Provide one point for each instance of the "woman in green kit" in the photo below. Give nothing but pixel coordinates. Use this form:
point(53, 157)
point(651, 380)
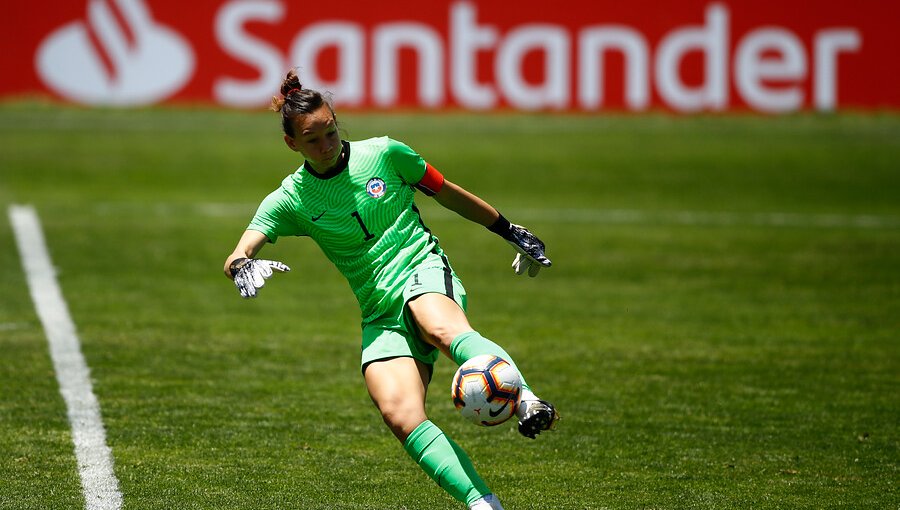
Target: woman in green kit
point(355, 199)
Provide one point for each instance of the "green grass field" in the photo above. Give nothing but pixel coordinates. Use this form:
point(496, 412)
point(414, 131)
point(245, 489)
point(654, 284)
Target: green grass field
point(719, 329)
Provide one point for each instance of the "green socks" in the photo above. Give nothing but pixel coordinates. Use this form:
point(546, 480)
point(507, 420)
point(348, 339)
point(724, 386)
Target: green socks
point(445, 462)
point(471, 344)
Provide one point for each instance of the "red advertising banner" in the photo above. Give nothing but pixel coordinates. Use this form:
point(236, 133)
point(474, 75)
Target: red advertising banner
point(571, 55)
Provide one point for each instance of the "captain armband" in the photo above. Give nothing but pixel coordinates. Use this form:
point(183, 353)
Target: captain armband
point(432, 182)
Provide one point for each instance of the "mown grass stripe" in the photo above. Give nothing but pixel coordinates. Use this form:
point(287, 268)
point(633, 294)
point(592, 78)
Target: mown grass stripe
point(573, 215)
point(94, 457)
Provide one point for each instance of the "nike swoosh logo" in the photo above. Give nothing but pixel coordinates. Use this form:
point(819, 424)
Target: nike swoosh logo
point(499, 411)
point(316, 218)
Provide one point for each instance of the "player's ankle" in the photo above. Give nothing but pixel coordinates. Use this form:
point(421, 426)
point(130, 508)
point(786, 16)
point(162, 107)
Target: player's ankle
point(527, 394)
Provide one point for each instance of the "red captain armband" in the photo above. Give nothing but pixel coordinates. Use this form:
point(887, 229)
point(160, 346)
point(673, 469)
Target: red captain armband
point(431, 182)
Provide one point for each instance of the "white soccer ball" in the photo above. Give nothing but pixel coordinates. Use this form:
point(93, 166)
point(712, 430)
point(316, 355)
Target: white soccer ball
point(486, 390)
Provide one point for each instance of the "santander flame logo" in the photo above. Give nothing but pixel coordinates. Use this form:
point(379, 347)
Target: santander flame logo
point(118, 56)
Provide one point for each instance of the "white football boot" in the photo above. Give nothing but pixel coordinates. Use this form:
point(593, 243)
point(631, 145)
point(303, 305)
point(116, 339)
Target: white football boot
point(489, 502)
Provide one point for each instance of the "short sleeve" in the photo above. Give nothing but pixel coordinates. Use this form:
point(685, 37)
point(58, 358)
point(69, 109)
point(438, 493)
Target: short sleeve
point(276, 216)
point(408, 164)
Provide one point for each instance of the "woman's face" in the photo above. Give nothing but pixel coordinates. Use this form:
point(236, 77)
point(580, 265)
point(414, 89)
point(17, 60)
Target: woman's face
point(317, 139)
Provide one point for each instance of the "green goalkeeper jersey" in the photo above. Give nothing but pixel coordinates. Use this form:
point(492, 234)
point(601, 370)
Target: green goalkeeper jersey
point(363, 217)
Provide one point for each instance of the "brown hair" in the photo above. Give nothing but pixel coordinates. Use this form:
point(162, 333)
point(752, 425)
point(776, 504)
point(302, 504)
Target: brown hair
point(297, 101)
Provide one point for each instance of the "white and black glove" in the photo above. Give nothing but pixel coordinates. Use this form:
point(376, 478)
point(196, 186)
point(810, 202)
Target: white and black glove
point(530, 257)
point(250, 274)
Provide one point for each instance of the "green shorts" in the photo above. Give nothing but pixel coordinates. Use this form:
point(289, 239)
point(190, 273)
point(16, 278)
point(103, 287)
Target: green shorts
point(394, 334)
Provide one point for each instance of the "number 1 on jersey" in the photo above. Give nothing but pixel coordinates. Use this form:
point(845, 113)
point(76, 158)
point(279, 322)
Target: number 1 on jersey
point(362, 225)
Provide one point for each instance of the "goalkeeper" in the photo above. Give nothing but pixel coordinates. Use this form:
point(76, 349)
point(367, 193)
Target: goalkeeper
point(355, 199)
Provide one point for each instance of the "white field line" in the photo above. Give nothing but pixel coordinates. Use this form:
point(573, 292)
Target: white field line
point(94, 457)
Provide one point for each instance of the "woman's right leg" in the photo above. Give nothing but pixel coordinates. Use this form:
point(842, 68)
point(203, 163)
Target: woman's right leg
point(398, 387)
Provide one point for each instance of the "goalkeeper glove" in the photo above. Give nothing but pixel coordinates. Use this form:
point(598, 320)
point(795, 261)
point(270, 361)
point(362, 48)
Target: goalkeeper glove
point(530, 256)
point(250, 274)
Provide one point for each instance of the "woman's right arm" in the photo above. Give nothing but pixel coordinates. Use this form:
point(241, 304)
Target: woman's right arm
point(249, 245)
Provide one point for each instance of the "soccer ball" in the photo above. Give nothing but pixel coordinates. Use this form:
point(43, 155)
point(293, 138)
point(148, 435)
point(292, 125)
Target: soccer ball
point(486, 390)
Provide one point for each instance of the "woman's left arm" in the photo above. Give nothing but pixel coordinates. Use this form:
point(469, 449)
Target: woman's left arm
point(530, 258)
point(466, 204)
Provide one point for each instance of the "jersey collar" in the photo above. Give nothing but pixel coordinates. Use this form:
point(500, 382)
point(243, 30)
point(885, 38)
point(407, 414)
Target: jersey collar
point(341, 165)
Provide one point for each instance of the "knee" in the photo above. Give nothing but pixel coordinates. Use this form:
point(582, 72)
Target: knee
point(442, 334)
point(439, 319)
point(401, 416)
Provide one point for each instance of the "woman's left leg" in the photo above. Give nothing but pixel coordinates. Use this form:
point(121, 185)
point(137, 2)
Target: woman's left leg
point(442, 323)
